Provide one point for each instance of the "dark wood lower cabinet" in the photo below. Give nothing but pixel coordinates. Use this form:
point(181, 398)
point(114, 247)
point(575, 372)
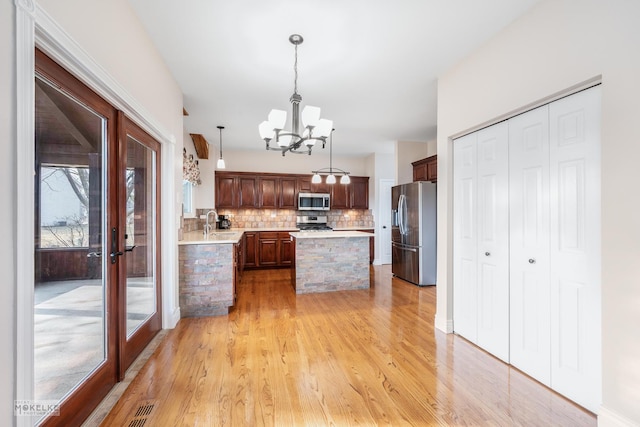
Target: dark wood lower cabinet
point(250, 249)
point(286, 249)
point(372, 248)
point(267, 249)
point(268, 253)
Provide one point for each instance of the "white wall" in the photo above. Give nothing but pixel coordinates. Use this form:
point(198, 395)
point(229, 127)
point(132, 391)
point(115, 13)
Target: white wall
point(7, 211)
point(408, 152)
point(559, 44)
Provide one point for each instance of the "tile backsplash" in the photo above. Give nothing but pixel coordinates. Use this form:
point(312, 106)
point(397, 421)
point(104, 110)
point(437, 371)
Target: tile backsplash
point(282, 218)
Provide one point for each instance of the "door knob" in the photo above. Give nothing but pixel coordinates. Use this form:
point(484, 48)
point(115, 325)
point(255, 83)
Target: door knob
point(487, 254)
point(532, 261)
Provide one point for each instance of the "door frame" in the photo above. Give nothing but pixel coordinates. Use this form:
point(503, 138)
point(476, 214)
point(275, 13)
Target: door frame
point(35, 28)
point(384, 209)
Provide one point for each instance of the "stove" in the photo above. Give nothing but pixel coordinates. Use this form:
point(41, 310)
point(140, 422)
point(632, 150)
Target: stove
point(312, 223)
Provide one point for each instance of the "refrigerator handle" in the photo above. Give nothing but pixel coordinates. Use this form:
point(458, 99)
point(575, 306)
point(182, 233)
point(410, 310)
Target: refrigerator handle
point(402, 214)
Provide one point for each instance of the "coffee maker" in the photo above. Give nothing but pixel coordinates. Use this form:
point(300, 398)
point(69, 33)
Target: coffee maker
point(223, 222)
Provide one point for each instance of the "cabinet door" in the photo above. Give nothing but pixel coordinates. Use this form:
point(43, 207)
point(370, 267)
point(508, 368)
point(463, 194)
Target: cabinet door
point(419, 171)
point(268, 190)
point(250, 248)
point(359, 192)
point(268, 249)
point(322, 187)
point(529, 243)
point(286, 249)
point(304, 184)
point(247, 192)
point(225, 191)
point(432, 168)
point(340, 196)
point(288, 194)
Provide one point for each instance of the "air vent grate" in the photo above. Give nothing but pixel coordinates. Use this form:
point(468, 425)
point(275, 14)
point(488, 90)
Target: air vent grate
point(142, 413)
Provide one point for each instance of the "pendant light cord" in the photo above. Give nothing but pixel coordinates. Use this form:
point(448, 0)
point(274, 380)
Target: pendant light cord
point(220, 128)
point(331, 152)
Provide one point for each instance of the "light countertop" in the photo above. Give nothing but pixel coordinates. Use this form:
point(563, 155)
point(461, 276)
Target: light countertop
point(329, 234)
point(233, 235)
point(214, 237)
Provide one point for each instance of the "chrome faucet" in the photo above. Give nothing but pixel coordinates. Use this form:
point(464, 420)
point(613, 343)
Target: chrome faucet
point(208, 226)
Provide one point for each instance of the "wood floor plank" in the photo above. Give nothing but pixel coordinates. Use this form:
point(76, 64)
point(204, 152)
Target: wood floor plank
point(352, 358)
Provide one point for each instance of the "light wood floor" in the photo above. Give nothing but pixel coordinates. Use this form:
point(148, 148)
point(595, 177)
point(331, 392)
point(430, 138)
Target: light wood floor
point(352, 358)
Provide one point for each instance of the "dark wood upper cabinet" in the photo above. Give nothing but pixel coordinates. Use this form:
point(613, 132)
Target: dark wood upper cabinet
point(288, 194)
point(340, 196)
point(304, 184)
point(269, 192)
point(247, 192)
point(359, 192)
point(426, 169)
point(322, 187)
point(226, 192)
point(280, 191)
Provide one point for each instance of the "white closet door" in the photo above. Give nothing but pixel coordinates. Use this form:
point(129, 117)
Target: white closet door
point(465, 237)
point(575, 247)
point(493, 240)
point(529, 243)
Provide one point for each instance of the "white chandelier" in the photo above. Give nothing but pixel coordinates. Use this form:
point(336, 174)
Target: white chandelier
point(314, 128)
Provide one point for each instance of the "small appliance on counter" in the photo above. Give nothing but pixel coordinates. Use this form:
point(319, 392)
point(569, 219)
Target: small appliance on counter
point(312, 223)
point(224, 223)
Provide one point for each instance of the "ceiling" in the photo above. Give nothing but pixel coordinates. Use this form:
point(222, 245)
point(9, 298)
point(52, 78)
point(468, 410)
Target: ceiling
point(370, 65)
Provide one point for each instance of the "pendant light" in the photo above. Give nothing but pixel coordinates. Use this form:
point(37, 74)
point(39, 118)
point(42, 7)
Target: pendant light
point(220, 164)
point(331, 178)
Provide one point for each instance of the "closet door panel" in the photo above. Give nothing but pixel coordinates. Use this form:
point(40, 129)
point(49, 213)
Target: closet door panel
point(465, 237)
point(575, 247)
point(493, 238)
point(529, 243)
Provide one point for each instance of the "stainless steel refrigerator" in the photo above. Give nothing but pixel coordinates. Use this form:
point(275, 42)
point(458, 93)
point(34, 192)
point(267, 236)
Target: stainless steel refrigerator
point(413, 232)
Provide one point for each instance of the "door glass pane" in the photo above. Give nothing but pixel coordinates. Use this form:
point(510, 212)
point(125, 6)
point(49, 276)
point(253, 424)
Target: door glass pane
point(140, 234)
point(69, 247)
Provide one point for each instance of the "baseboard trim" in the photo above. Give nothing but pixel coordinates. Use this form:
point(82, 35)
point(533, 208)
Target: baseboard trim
point(609, 418)
point(172, 320)
point(443, 324)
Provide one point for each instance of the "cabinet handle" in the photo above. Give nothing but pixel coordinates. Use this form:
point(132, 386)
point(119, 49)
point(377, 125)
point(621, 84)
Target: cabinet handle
point(532, 261)
point(487, 254)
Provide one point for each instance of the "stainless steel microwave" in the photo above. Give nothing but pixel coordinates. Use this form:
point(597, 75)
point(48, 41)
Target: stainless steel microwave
point(313, 201)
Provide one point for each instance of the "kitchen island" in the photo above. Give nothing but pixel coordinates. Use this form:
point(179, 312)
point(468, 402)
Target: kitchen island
point(330, 261)
point(208, 267)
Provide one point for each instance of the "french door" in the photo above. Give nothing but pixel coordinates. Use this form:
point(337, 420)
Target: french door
point(96, 249)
